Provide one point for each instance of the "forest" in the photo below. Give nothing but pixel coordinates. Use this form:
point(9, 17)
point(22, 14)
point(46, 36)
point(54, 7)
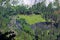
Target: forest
point(21, 22)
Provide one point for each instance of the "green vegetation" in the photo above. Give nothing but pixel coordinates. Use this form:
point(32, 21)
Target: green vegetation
point(30, 23)
point(31, 19)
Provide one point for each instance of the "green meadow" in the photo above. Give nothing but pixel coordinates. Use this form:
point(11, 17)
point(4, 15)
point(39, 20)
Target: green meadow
point(31, 19)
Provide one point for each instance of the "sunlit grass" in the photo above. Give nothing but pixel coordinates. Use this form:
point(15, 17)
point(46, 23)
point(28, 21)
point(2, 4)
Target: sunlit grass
point(31, 19)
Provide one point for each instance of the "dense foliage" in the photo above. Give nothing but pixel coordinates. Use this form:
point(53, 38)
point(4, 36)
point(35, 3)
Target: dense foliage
point(22, 24)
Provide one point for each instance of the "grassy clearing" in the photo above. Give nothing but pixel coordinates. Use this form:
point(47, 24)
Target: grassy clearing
point(31, 19)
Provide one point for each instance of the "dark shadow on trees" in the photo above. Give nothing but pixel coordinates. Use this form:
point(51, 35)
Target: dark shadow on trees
point(5, 37)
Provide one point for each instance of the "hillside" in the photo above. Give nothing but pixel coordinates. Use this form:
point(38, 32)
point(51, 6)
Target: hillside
point(18, 21)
